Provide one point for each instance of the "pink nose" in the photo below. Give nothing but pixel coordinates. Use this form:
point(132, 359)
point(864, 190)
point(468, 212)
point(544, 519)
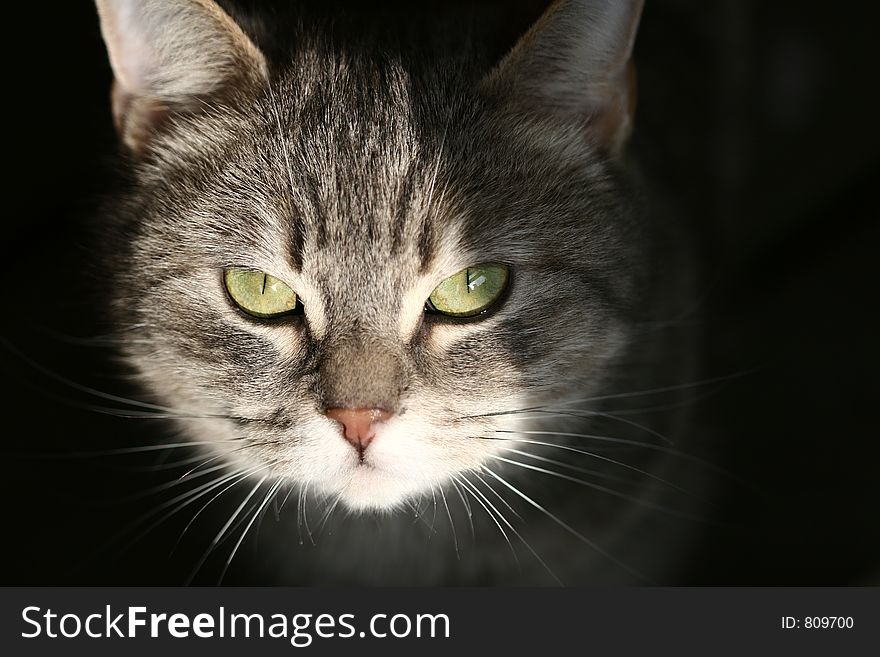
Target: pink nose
point(358, 424)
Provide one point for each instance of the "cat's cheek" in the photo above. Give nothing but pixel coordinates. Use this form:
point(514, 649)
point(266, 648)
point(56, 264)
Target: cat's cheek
point(217, 435)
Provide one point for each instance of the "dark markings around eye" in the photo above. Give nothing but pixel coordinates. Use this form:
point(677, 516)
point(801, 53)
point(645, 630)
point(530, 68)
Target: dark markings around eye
point(426, 245)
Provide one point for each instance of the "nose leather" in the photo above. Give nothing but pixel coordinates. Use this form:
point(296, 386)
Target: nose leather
point(358, 424)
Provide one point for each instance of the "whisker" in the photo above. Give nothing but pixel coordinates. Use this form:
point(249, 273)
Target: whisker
point(511, 527)
point(451, 523)
point(590, 471)
point(269, 496)
point(663, 389)
point(632, 423)
point(467, 508)
point(162, 466)
point(598, 438)
point(136, 415)
point(241, 477)
point(284, 501)
point(635, 443)
point(419, 516)
point(467, 487)
point(603, 489)
point(327, 513)
point(305, 512)
point(599, 457)
point(173, 483)
point(205, 462)
point(99, 340)
point(186, 498)
point(431, 530)
point(571, 530)
point(80, 387)
point(122, 451)
point(299, 507)
point(497, 494)
point(216, 541)
point(620, 395)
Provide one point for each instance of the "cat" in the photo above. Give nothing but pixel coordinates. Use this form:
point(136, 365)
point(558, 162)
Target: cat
point(421, 291)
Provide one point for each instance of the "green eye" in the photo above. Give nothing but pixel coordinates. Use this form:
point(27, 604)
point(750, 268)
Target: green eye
point(258, 293)
point(470, 291)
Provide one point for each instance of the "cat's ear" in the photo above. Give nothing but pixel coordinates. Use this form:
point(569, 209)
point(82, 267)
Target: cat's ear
point(577, 61)
point(168, 57)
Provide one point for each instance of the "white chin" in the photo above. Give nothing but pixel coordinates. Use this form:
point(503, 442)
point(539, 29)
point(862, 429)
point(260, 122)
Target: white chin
point(371, 489)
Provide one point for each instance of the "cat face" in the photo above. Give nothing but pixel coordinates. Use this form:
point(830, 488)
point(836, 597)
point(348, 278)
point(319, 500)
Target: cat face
point(359, 186)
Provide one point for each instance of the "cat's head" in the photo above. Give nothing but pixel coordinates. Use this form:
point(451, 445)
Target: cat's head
point(346, 271)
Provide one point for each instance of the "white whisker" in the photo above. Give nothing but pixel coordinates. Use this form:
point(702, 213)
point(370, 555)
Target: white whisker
point(635, 443)
point(219, 537)
point(571, 530)
point(595, 456)
point(598, 487)
point(468, 488)
point(467, 507)
point(451, 523)
point(269, 496)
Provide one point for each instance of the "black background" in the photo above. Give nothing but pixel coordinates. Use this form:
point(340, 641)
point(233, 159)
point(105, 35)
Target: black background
point(759, 117)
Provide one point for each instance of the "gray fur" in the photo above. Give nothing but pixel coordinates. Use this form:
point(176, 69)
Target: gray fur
point(363, 180)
